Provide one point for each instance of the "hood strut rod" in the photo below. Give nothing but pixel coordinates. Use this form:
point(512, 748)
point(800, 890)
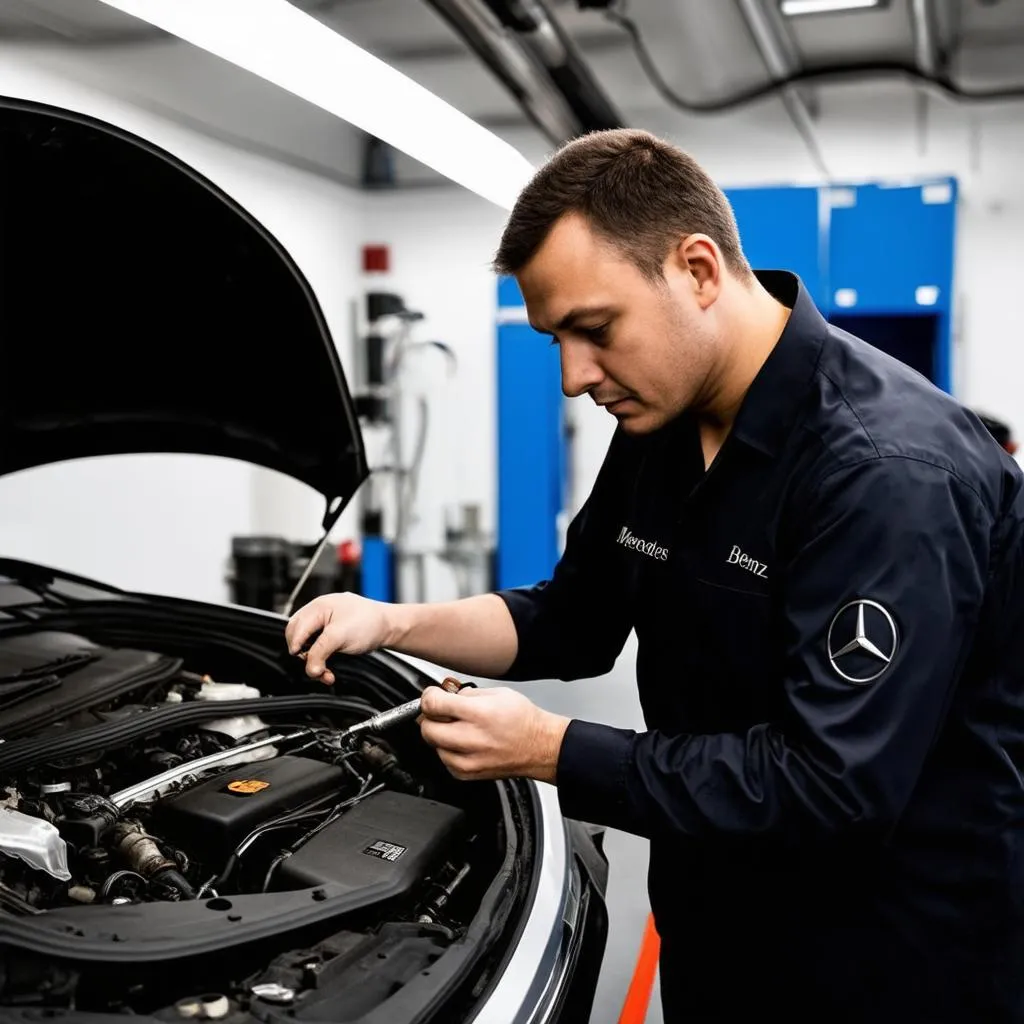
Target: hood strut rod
point(313, 558)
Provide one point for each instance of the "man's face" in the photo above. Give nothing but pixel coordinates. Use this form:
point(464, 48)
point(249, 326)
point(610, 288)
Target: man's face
point(641, 349)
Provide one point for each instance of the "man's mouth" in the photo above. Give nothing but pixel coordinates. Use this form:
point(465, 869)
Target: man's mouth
point(615, 405)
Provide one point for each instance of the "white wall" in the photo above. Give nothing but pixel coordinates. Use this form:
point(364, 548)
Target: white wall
point(442, 241)
point(164, 523)
point(866, 132)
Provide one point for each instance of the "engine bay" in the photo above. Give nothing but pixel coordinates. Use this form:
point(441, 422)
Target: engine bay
point(149, 811)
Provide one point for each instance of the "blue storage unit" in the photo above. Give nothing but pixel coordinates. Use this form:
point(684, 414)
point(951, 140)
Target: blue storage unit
point(891, 247)
point(877, 259)
point(783, 229)
point(531, 446)
point(891, 257)
point(377, 570)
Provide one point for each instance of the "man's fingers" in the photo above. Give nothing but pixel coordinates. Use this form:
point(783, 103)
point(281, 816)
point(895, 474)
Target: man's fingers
point(466, 768)
point(458, 764)
point(447, 737)
point(299, 629)
point(438, 704)
point(299, 632)
point(316, 659)
point(294, 635)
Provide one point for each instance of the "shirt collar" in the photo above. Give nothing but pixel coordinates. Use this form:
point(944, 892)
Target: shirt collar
point(772, 403)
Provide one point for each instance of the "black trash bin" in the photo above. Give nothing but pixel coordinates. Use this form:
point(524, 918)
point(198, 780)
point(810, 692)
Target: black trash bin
point(261, 571)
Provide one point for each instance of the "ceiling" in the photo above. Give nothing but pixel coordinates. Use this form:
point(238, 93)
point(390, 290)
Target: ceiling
point(705, 50)
point(671, 58)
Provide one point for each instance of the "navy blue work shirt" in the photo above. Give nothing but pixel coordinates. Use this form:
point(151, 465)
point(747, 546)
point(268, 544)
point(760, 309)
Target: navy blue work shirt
point(831, 669)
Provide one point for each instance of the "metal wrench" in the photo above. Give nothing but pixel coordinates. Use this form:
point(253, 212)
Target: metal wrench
point(393, 716)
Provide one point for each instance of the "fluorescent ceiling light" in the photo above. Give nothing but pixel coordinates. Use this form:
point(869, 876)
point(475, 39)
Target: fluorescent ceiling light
point(282, 44)
point(792, 8)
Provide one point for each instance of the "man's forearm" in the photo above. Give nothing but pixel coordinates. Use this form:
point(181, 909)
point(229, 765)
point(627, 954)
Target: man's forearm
point(475, 635)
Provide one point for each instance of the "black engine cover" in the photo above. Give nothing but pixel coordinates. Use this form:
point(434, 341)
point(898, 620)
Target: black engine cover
point(211, 819)
point(381, 848)
point(50, 676)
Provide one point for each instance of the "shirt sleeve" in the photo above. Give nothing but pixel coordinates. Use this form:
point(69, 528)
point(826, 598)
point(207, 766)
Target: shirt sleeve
point(883, 591)
point(574, 625)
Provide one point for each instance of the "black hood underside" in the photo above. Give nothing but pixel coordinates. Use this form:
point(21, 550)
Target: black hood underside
point(142, 310)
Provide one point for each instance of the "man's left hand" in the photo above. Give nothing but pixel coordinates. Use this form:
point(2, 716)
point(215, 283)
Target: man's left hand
point(492, 733)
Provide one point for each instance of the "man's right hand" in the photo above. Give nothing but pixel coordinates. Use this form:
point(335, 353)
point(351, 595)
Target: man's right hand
point(347, 623)
point(475, 635)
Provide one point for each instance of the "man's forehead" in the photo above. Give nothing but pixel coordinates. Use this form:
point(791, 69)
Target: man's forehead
point(574, 273)
point(572, 240)
point(554, 301)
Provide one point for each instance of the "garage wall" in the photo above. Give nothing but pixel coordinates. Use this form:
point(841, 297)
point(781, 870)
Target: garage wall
point(866, 132)
point(164, 522)
point(441, 243)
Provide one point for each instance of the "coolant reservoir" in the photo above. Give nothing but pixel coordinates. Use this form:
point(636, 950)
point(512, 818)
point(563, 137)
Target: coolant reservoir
point(240, 726)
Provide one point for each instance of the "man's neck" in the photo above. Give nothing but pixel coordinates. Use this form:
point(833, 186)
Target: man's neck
point(753, 325)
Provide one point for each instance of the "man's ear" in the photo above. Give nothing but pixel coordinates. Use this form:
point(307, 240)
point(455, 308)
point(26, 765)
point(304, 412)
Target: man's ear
point(700, 259)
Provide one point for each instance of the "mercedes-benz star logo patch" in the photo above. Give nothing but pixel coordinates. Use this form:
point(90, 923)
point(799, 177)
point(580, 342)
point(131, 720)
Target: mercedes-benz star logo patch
point(862, 641)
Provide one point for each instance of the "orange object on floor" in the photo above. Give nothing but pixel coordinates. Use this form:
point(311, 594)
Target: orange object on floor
point(638, 996)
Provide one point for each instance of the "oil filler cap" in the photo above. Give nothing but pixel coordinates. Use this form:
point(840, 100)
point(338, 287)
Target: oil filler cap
point(246, 787)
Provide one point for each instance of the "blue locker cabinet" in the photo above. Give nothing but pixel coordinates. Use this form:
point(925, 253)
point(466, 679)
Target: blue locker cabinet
point(782, 229)
point(891, 247)
point(891, 258)
point(532, 459)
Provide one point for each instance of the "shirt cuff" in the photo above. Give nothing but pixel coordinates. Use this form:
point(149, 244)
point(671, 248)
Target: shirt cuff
point(522, 604)
point(593, 765)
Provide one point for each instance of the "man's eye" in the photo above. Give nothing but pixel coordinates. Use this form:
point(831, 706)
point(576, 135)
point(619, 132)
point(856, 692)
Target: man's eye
point(595, 333)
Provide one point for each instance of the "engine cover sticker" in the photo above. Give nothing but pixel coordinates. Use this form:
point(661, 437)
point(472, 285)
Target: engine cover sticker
point(248, 786)
point(384, 851)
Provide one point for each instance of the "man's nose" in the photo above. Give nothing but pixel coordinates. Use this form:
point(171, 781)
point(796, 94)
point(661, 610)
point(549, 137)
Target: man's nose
point(580, 371)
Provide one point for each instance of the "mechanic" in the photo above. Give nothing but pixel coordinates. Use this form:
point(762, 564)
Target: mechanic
point(821, 555)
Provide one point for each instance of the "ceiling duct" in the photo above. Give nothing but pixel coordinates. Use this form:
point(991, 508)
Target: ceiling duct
point(926, 43)
point(780, 68)
point(525, 47)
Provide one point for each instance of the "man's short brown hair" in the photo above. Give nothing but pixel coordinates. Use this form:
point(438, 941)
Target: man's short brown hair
point(638, 192)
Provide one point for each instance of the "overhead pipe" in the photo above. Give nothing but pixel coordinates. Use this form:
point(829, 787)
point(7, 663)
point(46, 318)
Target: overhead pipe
point(926, 59)
point(926, 37)
point(780, 69)
point(529, 52)
point(542, 34)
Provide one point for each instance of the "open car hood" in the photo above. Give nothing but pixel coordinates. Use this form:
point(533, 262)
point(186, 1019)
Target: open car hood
point(142, 310)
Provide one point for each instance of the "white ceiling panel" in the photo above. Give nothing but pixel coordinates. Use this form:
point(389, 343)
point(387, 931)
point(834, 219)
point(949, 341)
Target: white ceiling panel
point(882, 33)
point(702, 49)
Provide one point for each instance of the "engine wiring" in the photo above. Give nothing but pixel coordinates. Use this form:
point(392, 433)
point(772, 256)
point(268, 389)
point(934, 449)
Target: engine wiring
point(332, 817)
point(106, 890)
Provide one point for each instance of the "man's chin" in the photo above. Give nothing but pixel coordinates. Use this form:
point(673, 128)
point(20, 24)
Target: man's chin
point(636, 423)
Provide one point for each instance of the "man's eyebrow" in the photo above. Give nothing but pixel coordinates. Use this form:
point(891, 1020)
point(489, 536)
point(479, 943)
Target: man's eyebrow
point(573, 316)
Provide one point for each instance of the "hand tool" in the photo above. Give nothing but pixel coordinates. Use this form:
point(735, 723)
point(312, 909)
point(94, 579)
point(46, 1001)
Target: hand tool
point(395, 716)
point(391, 717)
